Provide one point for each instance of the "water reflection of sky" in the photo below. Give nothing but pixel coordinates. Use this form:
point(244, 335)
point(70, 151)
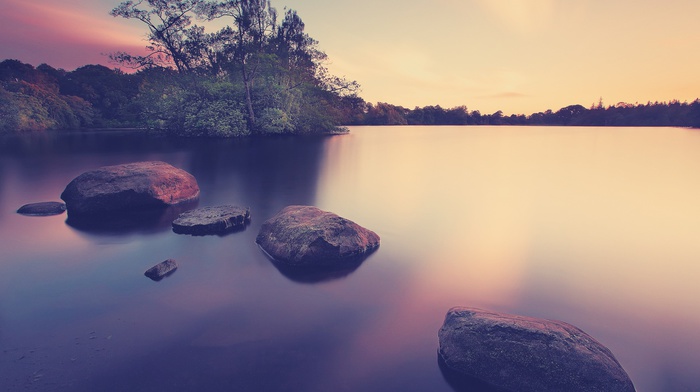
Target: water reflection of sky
point(594, 227)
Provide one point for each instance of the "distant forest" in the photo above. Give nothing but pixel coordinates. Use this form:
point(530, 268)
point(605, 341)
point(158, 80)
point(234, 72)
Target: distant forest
point(672, 114)
point(256, 76)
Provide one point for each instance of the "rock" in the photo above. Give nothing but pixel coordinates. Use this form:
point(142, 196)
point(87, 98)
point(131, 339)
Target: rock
point(42, 209)
point(211, 220)
point(524, 354)
point(128, 187)
point(161, 270)
point(307, 236)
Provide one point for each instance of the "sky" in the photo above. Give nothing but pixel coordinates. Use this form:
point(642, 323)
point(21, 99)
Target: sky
point(518, 56)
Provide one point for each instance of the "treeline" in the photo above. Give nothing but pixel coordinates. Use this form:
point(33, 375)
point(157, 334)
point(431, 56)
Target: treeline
point(48, 98)
point(674, 113)
point(160, 97)
point(256, 75)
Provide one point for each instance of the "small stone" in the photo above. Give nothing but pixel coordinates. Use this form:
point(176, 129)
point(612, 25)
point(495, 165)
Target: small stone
point(161, 270)
point(212, 220)
point(42, 209)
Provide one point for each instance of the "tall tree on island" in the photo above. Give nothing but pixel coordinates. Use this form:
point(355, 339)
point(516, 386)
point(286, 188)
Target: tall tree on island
point(172, 38)
point(276, 66)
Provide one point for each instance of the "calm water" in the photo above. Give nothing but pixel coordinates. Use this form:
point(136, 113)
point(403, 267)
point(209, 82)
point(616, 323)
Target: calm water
point(599, 227)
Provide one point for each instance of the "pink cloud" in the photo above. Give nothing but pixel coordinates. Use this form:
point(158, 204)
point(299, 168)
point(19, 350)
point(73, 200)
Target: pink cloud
point(63, 36)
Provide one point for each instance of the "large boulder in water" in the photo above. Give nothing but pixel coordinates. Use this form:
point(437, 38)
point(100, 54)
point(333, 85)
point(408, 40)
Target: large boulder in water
point(129, 187)
point(308, 236)
point(525, 354)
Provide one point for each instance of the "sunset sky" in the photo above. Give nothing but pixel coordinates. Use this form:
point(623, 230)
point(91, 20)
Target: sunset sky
point(519, 56)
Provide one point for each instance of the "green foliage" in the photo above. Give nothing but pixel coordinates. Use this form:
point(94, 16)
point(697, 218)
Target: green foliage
point(218, 118)
point(20, 112)
point(274, 121)
point(31, 100)
point(192, 106)
point(274, 70)
point(109, 91)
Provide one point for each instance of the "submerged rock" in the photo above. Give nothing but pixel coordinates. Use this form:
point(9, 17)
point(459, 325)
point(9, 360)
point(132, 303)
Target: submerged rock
point(308, 236)
point(525, 354)
point(212, 220)
point(128, 187)
point(161, 270)
point(42, 209)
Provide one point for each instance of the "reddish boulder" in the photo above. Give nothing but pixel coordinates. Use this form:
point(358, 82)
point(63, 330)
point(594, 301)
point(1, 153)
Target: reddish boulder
point(128, 187)
point(308, 236)
point(525, 354)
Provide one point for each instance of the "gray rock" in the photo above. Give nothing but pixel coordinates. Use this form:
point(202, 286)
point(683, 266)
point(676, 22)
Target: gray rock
point(304, 235)
point(161, 270)
point(212, 220)
point(524, 354)
point(42, 209)
point(129, 187)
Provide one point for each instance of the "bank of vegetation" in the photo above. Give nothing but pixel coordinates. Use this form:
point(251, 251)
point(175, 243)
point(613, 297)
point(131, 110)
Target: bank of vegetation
point(261, 74)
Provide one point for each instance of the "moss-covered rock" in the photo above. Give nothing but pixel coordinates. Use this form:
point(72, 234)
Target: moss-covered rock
point(308, 236)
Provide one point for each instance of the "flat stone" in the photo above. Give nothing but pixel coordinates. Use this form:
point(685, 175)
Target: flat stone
point(42, 209)
point(161, 270)
point(212, 220)
point(525, 354)
point(308, 236)
point(129, 187)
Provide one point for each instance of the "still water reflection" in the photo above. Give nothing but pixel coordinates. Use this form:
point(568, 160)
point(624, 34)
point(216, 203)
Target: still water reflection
point(594, 226)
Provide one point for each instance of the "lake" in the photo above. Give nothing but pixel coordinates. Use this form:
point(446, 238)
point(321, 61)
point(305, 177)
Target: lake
point(598, 227)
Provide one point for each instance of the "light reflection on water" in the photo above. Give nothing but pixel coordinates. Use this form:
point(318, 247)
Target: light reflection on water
point(594, 226)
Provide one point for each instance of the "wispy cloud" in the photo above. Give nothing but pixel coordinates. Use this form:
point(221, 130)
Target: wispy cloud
point(524, 16)
point(63, 34)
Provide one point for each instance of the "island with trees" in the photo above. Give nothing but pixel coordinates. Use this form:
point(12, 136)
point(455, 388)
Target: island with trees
point(261, 74)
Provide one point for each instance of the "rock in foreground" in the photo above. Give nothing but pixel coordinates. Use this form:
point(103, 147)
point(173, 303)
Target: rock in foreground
point(211, 220)
point(524, 354)
point(161, 270)
point(128, 187)
point(308, 236)
point(42, 209)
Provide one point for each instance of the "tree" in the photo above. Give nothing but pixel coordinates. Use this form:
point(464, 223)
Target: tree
point(279, 68)
point(244, 44)
point(172, 39)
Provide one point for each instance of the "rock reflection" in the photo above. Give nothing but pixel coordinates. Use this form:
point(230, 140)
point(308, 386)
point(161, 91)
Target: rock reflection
point(460, 382)
point(318, 273)
point(142, 222)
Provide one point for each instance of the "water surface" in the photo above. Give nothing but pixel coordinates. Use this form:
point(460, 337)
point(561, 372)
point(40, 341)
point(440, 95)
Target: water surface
point(597, 227)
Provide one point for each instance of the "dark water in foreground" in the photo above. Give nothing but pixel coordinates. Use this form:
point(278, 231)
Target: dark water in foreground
point(599, 227)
